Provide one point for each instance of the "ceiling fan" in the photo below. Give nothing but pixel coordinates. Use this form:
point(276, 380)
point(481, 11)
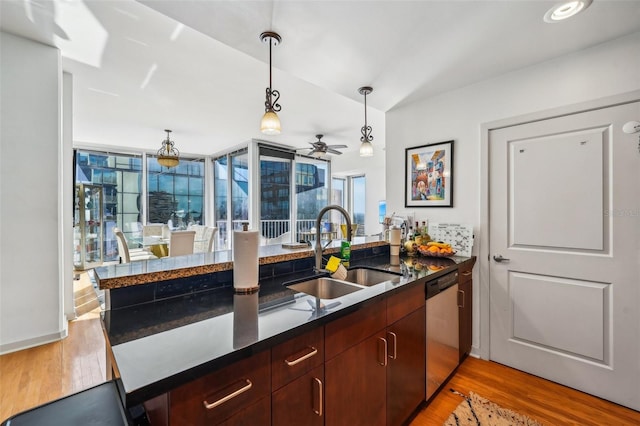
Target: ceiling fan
point(319, 148)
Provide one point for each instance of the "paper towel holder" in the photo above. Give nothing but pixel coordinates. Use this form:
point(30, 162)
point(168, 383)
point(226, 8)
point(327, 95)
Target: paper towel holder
point(246, 290)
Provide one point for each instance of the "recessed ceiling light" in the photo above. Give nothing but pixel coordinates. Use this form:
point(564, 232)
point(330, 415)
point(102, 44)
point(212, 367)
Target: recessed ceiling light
point(564, 10)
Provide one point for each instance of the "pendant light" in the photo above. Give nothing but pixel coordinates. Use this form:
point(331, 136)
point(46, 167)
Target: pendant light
point(366, 149)
point(168, 155)
point(270, 124)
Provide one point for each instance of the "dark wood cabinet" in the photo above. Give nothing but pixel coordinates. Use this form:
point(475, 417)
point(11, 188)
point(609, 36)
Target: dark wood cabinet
point(365, 368)
point(227, 396)
point(301, 402)
point(258, 413)
point(406, 366)
point(465, 307)
point(297, 380)
point(355, 384)
point(375, 368)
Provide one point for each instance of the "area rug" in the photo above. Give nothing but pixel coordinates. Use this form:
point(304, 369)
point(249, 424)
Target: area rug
point(478, 411)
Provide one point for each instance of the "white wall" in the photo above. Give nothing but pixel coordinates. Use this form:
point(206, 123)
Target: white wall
point(604, 70)
point(31, 310)
point(351, 164)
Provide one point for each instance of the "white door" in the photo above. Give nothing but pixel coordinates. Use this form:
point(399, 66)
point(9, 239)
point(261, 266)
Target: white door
point(565, 218)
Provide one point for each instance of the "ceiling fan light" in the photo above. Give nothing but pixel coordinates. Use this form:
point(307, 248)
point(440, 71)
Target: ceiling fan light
point(270, 124)
point(366, 149)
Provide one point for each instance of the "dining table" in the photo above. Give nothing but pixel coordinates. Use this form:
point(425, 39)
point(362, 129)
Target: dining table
point(158, 244)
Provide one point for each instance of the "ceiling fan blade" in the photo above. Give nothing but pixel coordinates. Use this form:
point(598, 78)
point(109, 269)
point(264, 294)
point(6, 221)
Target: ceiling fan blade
point(337, 146)
point(333, 151)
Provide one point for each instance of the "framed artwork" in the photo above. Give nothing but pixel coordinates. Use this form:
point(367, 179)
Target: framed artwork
point(429, 175)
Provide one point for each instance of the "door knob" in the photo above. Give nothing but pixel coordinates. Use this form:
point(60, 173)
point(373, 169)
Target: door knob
point(498, 258)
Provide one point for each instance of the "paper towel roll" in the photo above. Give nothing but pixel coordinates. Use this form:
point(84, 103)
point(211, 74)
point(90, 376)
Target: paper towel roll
point(395, 236)
point(245, 260)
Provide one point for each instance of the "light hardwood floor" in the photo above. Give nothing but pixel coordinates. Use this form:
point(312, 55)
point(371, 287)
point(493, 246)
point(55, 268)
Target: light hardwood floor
point(34, 376)
point(545, 401)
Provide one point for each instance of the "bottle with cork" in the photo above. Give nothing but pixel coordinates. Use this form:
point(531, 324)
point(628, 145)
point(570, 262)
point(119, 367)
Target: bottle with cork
point(425, 232)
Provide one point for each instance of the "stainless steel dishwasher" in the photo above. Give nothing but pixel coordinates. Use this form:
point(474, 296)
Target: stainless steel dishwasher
point(442, 330)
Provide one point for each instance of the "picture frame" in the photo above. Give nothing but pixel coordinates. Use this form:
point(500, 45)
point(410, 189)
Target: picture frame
point(429, 175)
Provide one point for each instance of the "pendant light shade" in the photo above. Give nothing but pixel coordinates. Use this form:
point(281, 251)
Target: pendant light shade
point(270, 123)
point(168, 155)
point(366, 148)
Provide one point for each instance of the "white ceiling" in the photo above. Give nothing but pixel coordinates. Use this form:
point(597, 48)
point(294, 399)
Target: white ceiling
point(137, 69)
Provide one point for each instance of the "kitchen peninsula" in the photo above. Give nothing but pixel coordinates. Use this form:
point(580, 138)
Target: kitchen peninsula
point(181, 343)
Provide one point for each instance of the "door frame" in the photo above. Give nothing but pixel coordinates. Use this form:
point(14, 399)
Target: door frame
point(483, 251)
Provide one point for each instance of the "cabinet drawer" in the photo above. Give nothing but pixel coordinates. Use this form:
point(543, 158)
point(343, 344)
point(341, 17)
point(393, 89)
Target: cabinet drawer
point(404, 302)
point(347, 331)
point(217, 396)
point(295, 357)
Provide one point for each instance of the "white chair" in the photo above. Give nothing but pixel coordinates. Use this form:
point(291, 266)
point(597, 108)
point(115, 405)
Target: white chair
point(152, 229)
point(132, 251)
point(181, 243)
point(285, 237)
point(126, 255)
point(205, 244)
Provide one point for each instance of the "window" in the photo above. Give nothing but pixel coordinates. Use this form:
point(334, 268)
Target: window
point(220, 182)
point(349, 193)
point(312, 191)
point(358, 204)
point(275, 194)
point(239, 189)
point(120, 177)
point(175, 194)
point(339, 198)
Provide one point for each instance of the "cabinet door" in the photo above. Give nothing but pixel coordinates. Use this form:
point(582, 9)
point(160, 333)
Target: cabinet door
point(355, 384)
point(465, 295)
point(406, 369)
point(258, 414)
point(301, 402)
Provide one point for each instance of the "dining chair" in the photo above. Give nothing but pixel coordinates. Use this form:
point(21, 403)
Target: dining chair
point(181, 243)
point(205, 243)
point(152, 229)
point(130, 255)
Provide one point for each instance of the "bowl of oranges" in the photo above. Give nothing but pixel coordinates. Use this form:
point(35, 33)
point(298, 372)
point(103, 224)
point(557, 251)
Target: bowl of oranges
point(436, 249)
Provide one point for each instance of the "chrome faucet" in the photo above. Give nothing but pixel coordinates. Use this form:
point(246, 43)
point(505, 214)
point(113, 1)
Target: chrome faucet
point(318, 249)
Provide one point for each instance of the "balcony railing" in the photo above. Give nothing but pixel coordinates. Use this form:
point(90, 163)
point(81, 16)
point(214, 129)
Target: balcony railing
point(278, 231)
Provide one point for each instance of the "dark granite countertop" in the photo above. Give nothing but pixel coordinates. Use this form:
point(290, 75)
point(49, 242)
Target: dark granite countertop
point(166, 268)
point(159, 346)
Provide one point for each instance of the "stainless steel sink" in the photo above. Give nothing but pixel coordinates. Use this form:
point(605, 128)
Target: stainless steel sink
point(368, 277)
point(324, 288)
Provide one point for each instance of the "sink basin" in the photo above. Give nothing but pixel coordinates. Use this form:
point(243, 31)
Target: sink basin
point(368, 277)
point(324, 288)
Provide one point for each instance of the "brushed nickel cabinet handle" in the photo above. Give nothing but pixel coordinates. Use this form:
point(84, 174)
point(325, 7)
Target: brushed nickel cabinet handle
point(232, 395)
point(461, 292)
point(318, 410)
point(302, 358)
point(384, 356)
point(466, 273)
point(395, 345)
